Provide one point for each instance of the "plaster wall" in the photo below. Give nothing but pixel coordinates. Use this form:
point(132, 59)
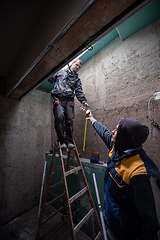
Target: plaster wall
point(118, 82)
point(25, 136)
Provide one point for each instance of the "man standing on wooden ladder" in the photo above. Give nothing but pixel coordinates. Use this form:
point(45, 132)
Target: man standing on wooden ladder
point(67, 85)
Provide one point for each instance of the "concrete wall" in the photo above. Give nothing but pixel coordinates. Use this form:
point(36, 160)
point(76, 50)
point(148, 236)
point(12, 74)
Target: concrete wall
point(118, 82)
point(25, 136)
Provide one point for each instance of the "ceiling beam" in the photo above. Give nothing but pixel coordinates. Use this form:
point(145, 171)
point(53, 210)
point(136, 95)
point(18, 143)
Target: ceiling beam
point(97, 21)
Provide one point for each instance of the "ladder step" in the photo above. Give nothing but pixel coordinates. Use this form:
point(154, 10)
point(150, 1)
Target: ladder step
point(86, 217)
point(55, 185)
point(99, 235)
point(59, 167)
point(52, 215)
point(77, 195)
point(72, 170)
point(54, 200)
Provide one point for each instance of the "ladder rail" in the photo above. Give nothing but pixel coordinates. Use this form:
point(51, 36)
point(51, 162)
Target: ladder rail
point(68, 207)
point(45, 195)
point(88, 191)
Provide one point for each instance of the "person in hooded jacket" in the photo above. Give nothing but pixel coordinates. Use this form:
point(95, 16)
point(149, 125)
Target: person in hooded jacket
point(131, 184)
point(67, 85)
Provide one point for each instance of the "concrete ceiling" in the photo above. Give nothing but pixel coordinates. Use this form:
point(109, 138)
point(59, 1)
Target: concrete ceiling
point(38, 35)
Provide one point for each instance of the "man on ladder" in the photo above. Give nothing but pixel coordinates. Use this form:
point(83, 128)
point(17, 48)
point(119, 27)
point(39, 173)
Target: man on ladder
point(67, 85)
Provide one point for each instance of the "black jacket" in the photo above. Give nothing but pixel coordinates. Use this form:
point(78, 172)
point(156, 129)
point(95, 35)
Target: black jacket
point(67, 84)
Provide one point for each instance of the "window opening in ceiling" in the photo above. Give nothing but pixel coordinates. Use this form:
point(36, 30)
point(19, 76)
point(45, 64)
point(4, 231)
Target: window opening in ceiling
point(130, 26)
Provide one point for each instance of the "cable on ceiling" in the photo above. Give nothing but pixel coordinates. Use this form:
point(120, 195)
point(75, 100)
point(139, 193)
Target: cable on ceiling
point(87, 46)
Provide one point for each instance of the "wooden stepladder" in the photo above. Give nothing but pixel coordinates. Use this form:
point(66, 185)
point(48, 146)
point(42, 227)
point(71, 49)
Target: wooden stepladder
point(65, 172)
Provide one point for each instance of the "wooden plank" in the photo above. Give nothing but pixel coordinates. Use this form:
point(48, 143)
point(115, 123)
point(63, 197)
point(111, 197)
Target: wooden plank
point(72, 170)
point(54, 200)
point(86, 217)
point(80, 193)
point(55, 185)
point(59, 167)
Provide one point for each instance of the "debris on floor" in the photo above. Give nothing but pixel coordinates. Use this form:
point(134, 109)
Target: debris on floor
point(25, 228)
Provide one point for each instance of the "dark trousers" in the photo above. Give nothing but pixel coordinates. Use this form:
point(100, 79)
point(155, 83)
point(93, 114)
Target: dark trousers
point(63, 113)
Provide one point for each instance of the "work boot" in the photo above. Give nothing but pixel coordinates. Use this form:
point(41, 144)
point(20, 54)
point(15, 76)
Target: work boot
point(70, 145)
point(63, 146)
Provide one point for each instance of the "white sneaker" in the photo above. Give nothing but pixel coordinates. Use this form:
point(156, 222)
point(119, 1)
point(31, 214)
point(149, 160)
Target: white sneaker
point(70, 145)
point(63, 146)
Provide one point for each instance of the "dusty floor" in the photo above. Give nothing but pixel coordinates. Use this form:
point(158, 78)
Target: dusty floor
point(25, 228)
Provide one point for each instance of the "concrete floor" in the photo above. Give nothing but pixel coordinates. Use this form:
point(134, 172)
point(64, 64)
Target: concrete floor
point(25, 228)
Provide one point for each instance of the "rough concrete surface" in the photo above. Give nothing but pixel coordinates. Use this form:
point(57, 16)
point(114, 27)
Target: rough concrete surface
point(25, 227)
point(25, 136)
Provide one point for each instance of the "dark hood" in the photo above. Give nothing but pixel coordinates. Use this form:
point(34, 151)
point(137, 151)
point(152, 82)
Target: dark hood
point(131, 134)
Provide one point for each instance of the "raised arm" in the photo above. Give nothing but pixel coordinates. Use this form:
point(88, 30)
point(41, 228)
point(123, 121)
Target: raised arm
point(102, 131)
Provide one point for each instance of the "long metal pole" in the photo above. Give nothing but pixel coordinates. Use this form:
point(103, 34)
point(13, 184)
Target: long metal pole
point(44, 173)
point(100, 209)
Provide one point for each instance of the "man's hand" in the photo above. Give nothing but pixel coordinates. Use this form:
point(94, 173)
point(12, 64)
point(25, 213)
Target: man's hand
point(56, 101)
point(90, 117)
point(84, 107)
